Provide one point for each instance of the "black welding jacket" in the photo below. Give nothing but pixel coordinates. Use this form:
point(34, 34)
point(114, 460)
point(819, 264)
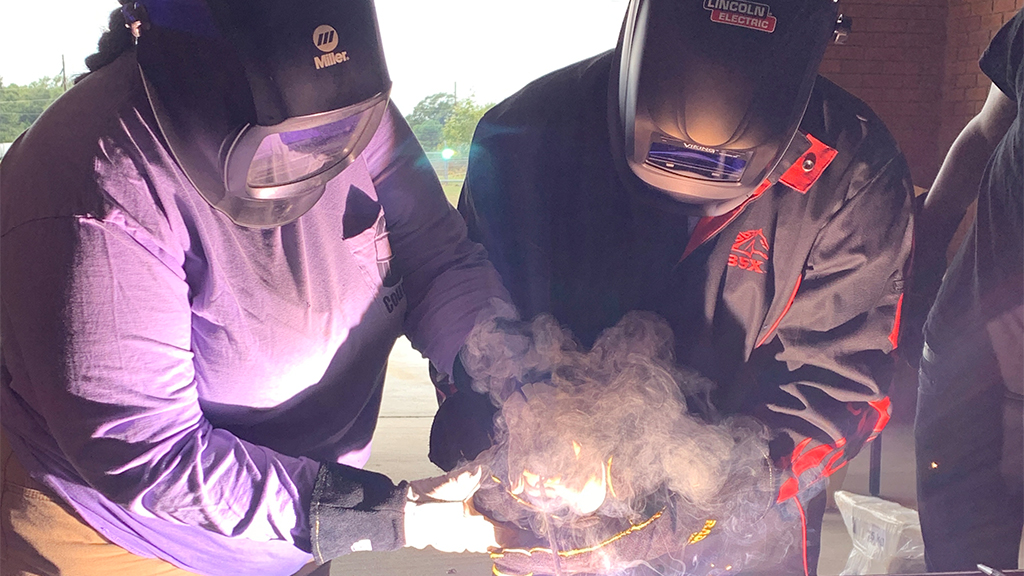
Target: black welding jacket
point(789, 303)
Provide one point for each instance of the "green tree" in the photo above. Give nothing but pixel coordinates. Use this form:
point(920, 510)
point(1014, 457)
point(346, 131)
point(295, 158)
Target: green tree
point(429, 134)
point(21, 105)
point(458, 129)
point(429, 116)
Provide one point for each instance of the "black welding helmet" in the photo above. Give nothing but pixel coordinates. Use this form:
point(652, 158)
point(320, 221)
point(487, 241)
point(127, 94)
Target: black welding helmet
point(262, 102)
point(710, 93)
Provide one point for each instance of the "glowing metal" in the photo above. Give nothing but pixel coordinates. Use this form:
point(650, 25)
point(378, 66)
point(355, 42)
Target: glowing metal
point(702, 533)
point(578, 551)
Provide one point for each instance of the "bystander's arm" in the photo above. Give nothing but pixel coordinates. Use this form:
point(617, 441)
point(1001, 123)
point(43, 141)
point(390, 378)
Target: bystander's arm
point(956, 185)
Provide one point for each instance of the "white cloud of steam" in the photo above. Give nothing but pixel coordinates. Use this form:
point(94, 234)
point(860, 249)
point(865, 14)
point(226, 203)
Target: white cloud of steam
point(617, 417)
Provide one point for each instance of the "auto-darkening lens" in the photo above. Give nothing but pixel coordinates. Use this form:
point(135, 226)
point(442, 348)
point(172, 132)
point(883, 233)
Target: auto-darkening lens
point(287, 157)
point(690, 161)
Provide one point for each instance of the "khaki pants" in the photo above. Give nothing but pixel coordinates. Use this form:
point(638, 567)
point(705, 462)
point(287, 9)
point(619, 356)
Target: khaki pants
point(40, 535)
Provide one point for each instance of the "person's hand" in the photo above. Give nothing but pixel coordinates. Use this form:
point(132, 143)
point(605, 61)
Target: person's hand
point(463, 428)
point(439, 513)
point(917, 302)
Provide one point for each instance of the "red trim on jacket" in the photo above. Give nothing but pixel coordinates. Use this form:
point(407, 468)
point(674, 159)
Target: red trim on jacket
point(803, 533)
point(883, 407)
point(784, 311)
point(894, 336)
point(805, 457)
point(709, 226)
point(795, 177)
point(790, 486)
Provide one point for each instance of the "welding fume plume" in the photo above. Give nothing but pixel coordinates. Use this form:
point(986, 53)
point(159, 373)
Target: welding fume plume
point(595, 440)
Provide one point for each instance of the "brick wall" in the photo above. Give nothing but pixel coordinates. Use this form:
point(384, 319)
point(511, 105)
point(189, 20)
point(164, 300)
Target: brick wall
point(915, 63)
point(972, 23)
point(893, 61)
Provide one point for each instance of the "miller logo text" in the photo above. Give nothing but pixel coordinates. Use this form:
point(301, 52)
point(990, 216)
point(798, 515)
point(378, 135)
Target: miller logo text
point(325, 38)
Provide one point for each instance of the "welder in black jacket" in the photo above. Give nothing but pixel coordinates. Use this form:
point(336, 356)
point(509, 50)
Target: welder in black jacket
point(704, 171)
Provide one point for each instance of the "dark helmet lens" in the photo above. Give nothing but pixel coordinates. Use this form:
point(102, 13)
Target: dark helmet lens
point(701, 163)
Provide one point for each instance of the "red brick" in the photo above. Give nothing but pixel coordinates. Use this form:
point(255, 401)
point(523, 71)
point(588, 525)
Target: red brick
point(959, 10)
point(915, 63)
point(897, 67)
point(963, 110)
point(870, 95)
point(992, 21)
point(847, 53)
point(881, 53)
point(971, 23)
point(966, 81)
point(954, 95)
point(890, 25)
point(852, 82)
point(858, 67)
point(922, 82)
point(984, 7)
point(969, 66)
point(931, 27)
point(828, 67)
point(876, 81)
point(957, 42)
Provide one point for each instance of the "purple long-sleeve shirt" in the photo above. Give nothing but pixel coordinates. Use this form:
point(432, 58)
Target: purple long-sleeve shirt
point(178, 379)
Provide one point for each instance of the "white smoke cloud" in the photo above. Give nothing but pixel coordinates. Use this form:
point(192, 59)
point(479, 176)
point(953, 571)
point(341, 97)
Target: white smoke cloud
point(590, 437)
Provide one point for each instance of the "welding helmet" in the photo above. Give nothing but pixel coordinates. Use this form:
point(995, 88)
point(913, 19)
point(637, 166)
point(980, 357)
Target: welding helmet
point(707, 95)
point(262, 102)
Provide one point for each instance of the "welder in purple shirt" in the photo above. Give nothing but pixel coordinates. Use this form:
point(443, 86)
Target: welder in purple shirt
point(209, 246)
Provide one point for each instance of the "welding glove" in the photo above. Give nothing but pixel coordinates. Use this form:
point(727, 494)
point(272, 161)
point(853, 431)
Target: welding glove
point(464, 424)
point(439, 513)
point(355, 510)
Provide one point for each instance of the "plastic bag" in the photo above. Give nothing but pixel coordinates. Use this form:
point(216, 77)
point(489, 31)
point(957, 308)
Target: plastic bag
point(886, 536)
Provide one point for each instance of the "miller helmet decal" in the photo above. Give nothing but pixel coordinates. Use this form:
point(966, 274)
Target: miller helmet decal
point(743, 13)
point(325, 38)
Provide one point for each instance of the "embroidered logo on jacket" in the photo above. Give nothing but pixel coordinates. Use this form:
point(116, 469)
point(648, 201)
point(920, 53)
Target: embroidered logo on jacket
point(750, 251)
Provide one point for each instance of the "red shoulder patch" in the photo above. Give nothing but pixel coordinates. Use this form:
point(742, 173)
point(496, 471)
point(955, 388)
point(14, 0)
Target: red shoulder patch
point(808, 168)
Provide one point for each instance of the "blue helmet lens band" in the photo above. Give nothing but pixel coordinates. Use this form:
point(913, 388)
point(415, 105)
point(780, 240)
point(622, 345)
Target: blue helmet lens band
point(707, 164)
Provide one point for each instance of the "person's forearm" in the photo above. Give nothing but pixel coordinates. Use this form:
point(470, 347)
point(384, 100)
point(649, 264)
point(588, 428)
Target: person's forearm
point(953, 191)
point(448, 281)
point(956, 185)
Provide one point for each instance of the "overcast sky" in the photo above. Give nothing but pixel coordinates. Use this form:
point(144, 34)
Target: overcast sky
point(488, 48)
